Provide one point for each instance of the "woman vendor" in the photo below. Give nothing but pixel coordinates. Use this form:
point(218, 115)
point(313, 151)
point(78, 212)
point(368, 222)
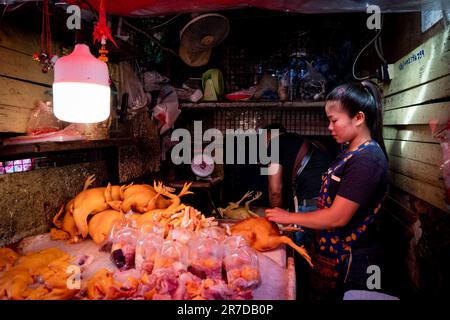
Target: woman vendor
point(352, 189)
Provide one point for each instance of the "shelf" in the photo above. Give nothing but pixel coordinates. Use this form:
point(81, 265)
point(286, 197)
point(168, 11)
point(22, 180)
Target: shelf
point(11, 151)
point(264, 105)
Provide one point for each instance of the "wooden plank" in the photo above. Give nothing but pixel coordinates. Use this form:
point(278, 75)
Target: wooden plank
point(17, 99)
point(22, 66)
point(20, 39)
point(14, 119)
point(429, 153)
point(417, 133)
point(20, 94)
point(437, 89)
point(427, 62)
point(423, 114)
point(20, 150)
point(421, 190)
point(417, 170)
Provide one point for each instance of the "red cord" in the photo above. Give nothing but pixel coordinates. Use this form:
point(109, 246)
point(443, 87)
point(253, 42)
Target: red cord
point(46, 35)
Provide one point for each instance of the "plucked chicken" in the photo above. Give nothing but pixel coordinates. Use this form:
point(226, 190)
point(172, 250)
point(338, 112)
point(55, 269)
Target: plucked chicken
point(263, 235)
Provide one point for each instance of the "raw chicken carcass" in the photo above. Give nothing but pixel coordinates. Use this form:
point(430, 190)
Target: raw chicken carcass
point(263, 235)
point(235, 211)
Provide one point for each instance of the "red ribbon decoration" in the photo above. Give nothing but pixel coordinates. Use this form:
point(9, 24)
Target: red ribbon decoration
point(101, 29)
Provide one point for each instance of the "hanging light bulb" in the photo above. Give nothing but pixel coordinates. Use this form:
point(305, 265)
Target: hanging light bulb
point(81, 91)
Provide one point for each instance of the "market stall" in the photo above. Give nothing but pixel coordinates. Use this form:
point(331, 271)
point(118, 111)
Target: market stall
point(135, 148)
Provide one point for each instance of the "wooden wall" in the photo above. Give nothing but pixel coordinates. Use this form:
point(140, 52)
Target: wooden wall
point(417, 223)
point(22, 82)
point(417, 101)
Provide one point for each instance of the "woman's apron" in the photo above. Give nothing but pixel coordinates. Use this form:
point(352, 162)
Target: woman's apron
point(333, 246)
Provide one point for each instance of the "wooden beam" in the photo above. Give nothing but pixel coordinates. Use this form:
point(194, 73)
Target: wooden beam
point(417, 133)
point(427, 62)
point(430, 153)
point(437, 89)
point(423, 114)
point(421, 190)
point(18, 65)
point(417, 170)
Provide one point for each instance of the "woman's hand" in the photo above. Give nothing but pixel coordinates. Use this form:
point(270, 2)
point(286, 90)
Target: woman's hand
point(279, 216)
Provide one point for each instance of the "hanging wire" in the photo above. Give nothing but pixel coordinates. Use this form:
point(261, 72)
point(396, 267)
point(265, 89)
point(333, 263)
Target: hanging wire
point(3, 14)
point(9, 8)
point(379, 50)
point(362, 50)
point(164, 23)
point(151, 37)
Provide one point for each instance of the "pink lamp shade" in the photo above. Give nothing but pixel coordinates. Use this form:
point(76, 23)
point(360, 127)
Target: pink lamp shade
point(81, 91)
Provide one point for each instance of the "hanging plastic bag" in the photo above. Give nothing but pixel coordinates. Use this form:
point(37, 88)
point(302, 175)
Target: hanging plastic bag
point(42, 120)
point(131, 85)
point(153, 81)
point(166, 110)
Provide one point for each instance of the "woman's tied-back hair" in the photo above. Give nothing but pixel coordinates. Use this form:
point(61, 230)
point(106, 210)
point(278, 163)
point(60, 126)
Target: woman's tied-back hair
point(365, 97)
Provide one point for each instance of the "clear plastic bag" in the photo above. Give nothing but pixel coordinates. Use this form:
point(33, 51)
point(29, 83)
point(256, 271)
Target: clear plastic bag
point(173, 254)
point(149, 243)
point(42, 120)
point(231, 243)
point(242, 267)
point(166, 110)
point(132, 85)
point(123, 244)
point(215, 232)
point(182, 235)
point(206, 258)
point(153, 81)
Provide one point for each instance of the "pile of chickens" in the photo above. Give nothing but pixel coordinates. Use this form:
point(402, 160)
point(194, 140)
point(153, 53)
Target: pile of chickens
point(201, 265)
point(35, 276)
point(143, 203)
point(162, 249)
